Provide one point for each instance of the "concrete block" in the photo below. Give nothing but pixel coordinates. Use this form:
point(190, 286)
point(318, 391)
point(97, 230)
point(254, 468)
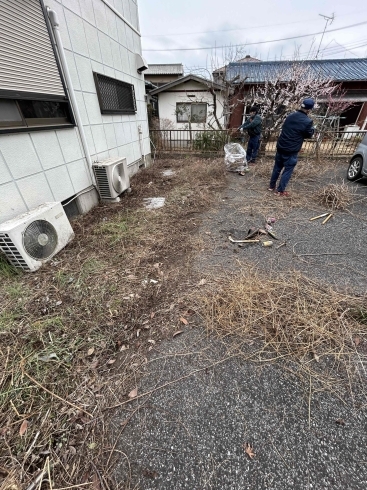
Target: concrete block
point(35, 190)
point(81, 106)
point(72, 5)
point(79, 175)
point(120, 134)
point(121, 32)
point(125, 63)
point(60, 183)
point(87, 201)
point(105, 44)
point(127, 132)
point(110, 135)
point(100, 15)
point(115, 48)
point(70, 145)
point(5, 175)
point(111, 23)
point(99, 138)
point(19, 154)
point(126, 8)
point(87, 12)
point(90, 140)
point(91, 34)
point(109, 71)
point(93, 109)
point(72, 69)
point(48, 149)
point(11, 202)
point(76, 32)
point(85, 73)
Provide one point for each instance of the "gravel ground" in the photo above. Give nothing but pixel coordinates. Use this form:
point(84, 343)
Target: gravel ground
point(190, 434)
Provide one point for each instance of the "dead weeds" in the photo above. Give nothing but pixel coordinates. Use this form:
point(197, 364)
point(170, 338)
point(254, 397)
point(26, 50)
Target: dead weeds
point(336, 196)
point(75, 334)
point(291, 317)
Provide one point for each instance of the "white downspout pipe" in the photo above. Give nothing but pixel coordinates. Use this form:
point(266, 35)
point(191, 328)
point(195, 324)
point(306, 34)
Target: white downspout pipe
point(69, 85)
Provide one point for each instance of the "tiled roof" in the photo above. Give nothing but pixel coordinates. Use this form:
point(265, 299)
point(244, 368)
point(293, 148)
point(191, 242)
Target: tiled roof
point(171, 69)
point(246, 59)
point(339, 70)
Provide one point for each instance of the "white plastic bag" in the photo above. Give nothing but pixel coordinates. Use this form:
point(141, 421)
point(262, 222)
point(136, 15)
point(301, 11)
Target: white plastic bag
point(235, 157)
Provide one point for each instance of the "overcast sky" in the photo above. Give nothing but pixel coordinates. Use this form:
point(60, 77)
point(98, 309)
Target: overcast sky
point(172, 24)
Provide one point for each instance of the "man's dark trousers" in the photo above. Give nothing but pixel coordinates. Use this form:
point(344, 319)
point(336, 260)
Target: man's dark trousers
point(285, 162)
point(252, 148)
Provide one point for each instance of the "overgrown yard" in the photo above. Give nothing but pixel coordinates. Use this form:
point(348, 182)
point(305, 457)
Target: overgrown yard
point(76, 336)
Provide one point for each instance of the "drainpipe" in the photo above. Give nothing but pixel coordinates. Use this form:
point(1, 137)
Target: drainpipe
point(60, 48)
point(140, 131)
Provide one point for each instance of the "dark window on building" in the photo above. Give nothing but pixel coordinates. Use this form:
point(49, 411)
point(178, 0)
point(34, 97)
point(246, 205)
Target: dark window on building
point(193, 112)
point(16, 113)
point(115, 97)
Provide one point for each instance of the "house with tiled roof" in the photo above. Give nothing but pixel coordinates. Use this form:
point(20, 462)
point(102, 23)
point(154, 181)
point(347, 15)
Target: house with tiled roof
point(160, 74)
point(351, 74)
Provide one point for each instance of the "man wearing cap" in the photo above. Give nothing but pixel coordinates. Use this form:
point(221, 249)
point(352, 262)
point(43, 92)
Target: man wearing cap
point(253, 127)
point(297, 127)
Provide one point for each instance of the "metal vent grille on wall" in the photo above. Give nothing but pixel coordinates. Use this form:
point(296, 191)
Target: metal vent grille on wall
point(102, 182)
point(27, 59)
point(115, 97)
point(11, 252)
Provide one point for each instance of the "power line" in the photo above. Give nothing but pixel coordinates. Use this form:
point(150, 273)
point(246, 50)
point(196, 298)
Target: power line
point(227, 30)
point(259, 42)
point(174, 34)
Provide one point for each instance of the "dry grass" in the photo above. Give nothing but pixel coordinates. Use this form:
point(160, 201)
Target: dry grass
point(336, 196)
point(74, 335)
point(292, 317)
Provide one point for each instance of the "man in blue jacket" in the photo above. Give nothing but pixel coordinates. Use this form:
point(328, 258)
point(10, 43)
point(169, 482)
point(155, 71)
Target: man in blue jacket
point(296, 128)
point(253, 127)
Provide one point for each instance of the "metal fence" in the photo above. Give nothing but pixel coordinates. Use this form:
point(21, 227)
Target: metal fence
point(327, 144)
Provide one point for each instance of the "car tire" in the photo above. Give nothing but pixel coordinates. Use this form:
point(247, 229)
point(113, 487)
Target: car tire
point(355, 168)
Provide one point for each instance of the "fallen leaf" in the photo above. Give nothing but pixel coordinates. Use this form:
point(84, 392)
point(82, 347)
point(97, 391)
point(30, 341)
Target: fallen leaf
point(72, 450)
point(357, 341)
point(183, 320)
point(133, 393)
point(152, 314)
point(111, 361)
point(23, 427)
point(58, 303)
point(177, 333)
point(138, 332)
point(90, 351)
point(94, 364)
point(122, 348)
point(202, 282)
point(316, 357)
point(249, 450)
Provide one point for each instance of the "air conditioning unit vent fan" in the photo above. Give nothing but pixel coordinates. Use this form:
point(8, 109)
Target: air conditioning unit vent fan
point(112, 177)
point(33, 238)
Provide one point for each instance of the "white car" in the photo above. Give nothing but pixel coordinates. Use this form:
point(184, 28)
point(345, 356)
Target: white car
point(358, 163)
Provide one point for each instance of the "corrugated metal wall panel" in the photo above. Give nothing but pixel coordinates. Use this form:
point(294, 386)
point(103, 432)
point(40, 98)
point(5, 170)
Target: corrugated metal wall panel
point(27, 60)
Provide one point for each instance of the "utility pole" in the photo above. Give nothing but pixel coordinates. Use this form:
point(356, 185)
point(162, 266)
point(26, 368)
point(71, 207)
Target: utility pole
point(328, 19)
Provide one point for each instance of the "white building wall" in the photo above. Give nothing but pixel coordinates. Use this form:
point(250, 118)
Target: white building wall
point(181, 94)
point(49, 165)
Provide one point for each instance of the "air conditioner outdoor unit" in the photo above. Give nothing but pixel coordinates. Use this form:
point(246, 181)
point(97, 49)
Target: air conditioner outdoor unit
point(112, 178)
point(34, 237)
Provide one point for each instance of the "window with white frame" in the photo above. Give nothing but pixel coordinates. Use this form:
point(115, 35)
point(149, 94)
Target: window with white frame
point(191, 112)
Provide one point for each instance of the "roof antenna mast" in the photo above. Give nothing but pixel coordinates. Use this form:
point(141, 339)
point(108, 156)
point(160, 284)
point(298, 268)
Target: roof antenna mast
point(328, 19)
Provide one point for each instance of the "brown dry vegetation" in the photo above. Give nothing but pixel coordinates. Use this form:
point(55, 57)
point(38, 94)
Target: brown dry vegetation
point(74, 335)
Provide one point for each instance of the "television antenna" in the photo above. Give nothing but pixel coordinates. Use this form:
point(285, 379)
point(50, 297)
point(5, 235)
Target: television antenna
point(328, 19)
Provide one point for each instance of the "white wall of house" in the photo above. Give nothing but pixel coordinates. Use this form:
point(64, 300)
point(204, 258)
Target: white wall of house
point(50, 165)
point(181, 94)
